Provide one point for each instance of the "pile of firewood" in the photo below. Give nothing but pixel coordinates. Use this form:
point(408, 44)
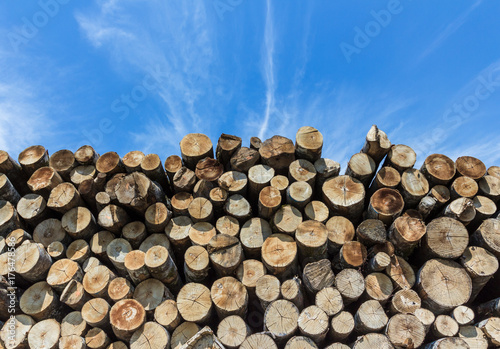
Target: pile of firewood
point(265, 246)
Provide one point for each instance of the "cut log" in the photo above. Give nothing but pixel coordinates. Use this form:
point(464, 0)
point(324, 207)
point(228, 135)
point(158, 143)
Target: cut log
point(292, 290)
point(351, 285)
point(116, 252)
point(378, 262)
point(473, 336)
point(401, 157)
point(194, 147)
point(156, 240)
point(151, 293)
point(138, 192)
point(45, 334)
point(13, 171)
point(177, 231)
point(74, 295)
point(43, 180)
point(102, 199)
point(56, 250)
point(167, 315)
point(463, 315)
point(401, 273)
point(152, 167)
point(461, 209)
point(86, 155)
point(99, 243)
point(232, 331)
point(136, 267)
point(325, 168)
point(329, 300)
point(341, 326)
point(444, 326)
point(229, 297)
point(40, 302)
point(201, 210)
point(126, 317)
point(267, 290)
point(226, 254)
point(120, 288)
point(308, 143)
point(302, 170)
point(361, 167)
point(448, 275)
point(227, 145)
point(299, 194)
point(286, 220)
point(132, 161)
point(405, 331)
point(151, 332)
point(279, 255)
point(280, 182)
point(258, 340)
point(134, 232)
point(194, 303)
point(112, 218)
point(238, 207)
point(445, 238)
point(491, 328)
point(344, 196)
point(463, 187)
point(386, 177)
point(172, 164)
point(312, 238)
point(209, 170)
point(90, 187)
point(259, 176)
point(14, 333)
point(352, 254)
point(110, 164)
point(371, 232)
point(280, 319)
point(481, 265)
point(180, 203)
point(378, 287)
point(96, 281)
point(370, 317)
point(252, 236)
point(228, 225)
point(80, 174)
point(317, 276)
point(301, 342)
point(471, 167)
point(494, 171)
point(372, 340)
point(33, 209)
point(489, 186)
point(7, 190)
point(313, 323)
point(337, 346)
point(485, 208)
point(96, 312)
point(406, 232)
point(448, 343)
point(162, 267)
point(426, 317)
point(377, 144)
point(405, 302)
point(386, 205)
point(62, 272)
point(157, 217)
point(32, 262)
point(413, 187)
point(249, 272)
point(79, 223)
point(63, 161)
point(234, 182)
point(33, 158)
point(183, 333)
point(435, 199)
point(277, 152)
point(340, 231)
point(438, 169)
point(64, 197)
point(184, 180)
point(202, 188)
point(201, 233)
point(73, 325)
point(244, 158)
point(97, 338)
point(317, 211)
point(218, 197)
point(486, 236)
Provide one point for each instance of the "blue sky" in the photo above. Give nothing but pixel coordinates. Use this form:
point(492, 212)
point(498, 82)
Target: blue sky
point(138, 75)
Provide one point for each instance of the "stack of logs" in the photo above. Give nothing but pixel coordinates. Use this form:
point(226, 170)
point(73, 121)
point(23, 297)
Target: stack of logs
point(266, 246)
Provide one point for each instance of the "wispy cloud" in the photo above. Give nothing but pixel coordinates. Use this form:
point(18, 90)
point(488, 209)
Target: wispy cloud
point(449, 30)
point(268, 69)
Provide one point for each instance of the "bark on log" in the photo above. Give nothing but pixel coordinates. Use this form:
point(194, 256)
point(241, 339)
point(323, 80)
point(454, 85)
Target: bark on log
point(413, 187)
point(183, 333)
point(75, 295)
point(138, 192)
point(132, 161)
point(362, 167)
point(438, 169)
point(435, 199)
point(43, 180)
point(134, 263)
point(405, 233)
point(280, 319)
point(481, 265)
point(473, 336)
point(194, 147)
point(386, 205)
point(209, 170)
point(352, 254)
point(226, 254)
point(371, 232)
point(293, 290)
point(267, 290)
point(308, 143)
point(461, 209)
point(252, 236)
point(7, 190)
point(340, 231)
point(401, 157)
point(41, 302)
point(312, 239)
point(202, 188)
point(86, 155)
point(277, 152)
point(218, 197)
point(172, 164)
point(13, 171)
point(344, 196)
point(110, 164)
point(244, 158)
point(317, 211)
point(370, 317)
point(33, 158)
point(377, 144)
point(112, 218)
point(226, 147)
point(279, 255)
point(286, 220)
point(317, 276)
point(162, 267)
point(152, 167)
point(184, 180)
point(490, 328)
point(79, 223)
point(489, 186)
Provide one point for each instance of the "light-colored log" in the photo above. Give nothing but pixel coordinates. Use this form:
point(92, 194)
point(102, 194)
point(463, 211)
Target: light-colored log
point(413, 187)
point(494, 171)
point(229, 296)
point(489, 186)
point(132, 160)
point(378, 262)
point(308, 143)
point(372, 340)
point(471, 167)
point(461, 209)
point(258, 340)
point(286, 220)
point(126, 317)
point(33, 158)
point(14, 333)
point(280, 319)
point(370, 317)
point(232, 331)
point(63, 161)
point(435, 199)
point(329, 300)
point(116, 252)
point(194, 147)
point(156, 240)
point(167, 315)
point(183, 333)
point(62, 272)
point(481, 265)
point(75, 295)
point(277, 152)
point(302, 170)
point(317, 211)
point(344, 196)
point(194, 303)
point(137, 192)
point(351, 285)
point(426, 317)
point(486, 236)
point(280, 182)
point(120, 288)
point(444, 326)
point(177, 231)
point(341, 326)
point(157, 217)
point(473, 336)
point(9, 219)
point(405, 233)
point(201, 210)
point(485, 208)
point(112, 218)
point(405, 331)
point(362, 167)
point(226, 147)
point(202, 189)
point(259, 177)
point(74, 325)
point(325, 168)
point(234, 182)
point(401, 157)
point(438, 274)
point(463, 187)
point(45, 334)
point(134, 263)
point(110, 164)
point(386, 177)
point(134, 232)
point(33, 209)
point(267, 290)
point(299, 194)
point(313, 323)
point(401, 273)
point(218, 197)
point(438, 169)
point(96, 312)
point(445, 238)
point(56, 250)
point(312, 238)
point(180, 203)
point(151, 332)
point(97, 338)
point(78, 251)
point(17, 237)
point(86, 155)
point(226, 254)
point(7, 190)
point(378, 287)
point(352, 254)
point(151, 293)
point(317, 275)
point(244, 158)
point(162, 267)
point(32, 262)
point(377, 144)
point(491, 328)
point(173, 163)
point(152, 167)
point(40, 302)
point(293, 290)
point(201, 233)
point(405, 302)
point(279, 255)
point(252, 236)
point(463, 315)
point(79, 223)
point(238, 207)
point(43, 180)
point(448, 343)
point(340, 231)
point(96, 281)
point(249, 272)
point(228, 225)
